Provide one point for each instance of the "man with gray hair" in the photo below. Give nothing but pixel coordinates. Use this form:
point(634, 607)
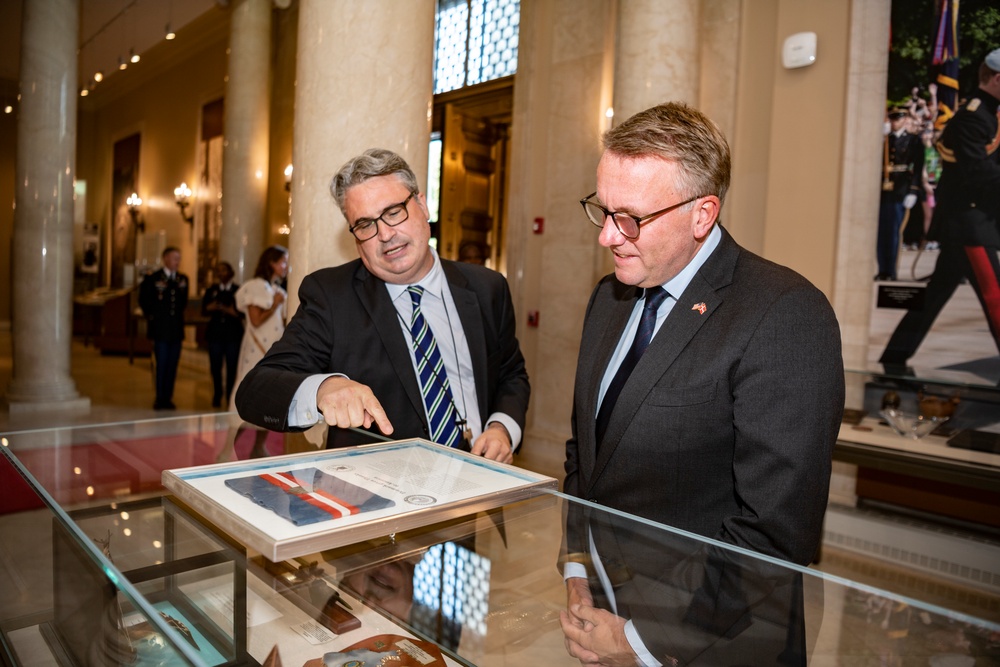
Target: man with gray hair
point(398, 340)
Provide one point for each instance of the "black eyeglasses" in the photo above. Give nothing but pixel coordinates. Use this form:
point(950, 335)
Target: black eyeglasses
point(626, 223)
point(366, 228)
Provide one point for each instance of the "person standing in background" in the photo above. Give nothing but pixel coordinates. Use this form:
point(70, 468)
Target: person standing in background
point(163, 296)
point(262, 299)
point(902, 175)
point(224, 333)
point(966, 221)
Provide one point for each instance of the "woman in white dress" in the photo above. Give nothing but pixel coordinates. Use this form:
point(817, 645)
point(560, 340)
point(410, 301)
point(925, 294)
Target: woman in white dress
point(262, 299)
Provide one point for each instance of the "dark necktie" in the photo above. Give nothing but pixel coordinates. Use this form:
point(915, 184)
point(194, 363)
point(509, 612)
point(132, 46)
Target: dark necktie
point(434, 384)
point(644, 334)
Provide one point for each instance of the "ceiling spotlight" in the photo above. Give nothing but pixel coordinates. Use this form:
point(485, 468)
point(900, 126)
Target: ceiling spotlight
point(170, 34)
point(8, 109)
point(121, 63)
point(133, 56)
point(98, 76)
point(84, 92)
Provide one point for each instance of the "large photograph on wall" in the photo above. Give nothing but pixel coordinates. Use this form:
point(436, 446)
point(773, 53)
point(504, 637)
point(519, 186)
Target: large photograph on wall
point(936, 293)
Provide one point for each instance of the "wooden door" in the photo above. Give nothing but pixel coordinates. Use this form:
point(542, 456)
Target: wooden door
point(474, 159)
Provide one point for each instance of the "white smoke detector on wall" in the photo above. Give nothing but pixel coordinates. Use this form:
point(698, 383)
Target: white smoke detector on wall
point(799, 50)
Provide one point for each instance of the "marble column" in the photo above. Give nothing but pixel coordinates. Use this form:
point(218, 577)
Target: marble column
point(657, 59)
point(245, 150)
point(564, 83)
point(657, 54)
point(868, 73)
point(42, 250)
point(363, 80)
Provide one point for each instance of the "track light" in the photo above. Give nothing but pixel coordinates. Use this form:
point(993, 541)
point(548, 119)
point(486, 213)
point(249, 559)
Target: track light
point(170, 34)
point(98, 76)
point(133, 56)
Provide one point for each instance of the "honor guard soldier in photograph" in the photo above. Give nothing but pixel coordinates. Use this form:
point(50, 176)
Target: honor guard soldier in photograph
point(902, 180)
point(966, 217)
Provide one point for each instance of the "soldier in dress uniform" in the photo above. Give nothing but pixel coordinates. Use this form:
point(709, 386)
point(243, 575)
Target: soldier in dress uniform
point(163, 296)
point(902, 180)
point(966, 219)
point(224, 333)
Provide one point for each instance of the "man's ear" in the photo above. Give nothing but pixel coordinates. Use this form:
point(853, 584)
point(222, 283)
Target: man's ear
point(422, 200)
point(705, 214)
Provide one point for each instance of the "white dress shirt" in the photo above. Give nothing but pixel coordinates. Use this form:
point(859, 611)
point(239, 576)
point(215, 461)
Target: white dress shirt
point(438, 308)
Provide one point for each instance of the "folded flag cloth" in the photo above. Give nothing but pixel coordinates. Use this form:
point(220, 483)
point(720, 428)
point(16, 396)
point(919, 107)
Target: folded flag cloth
point(307, 495)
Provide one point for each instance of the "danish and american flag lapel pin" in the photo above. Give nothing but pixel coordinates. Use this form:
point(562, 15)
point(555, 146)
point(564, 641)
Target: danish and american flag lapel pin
point(700, 307)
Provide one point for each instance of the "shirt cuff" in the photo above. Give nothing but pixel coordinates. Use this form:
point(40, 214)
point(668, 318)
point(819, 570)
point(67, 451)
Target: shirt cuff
point(574, 569)
point(642, 654)
point(512, 428)
point(302, 411)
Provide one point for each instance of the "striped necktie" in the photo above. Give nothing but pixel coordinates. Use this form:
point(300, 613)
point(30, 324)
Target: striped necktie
point(434, 386)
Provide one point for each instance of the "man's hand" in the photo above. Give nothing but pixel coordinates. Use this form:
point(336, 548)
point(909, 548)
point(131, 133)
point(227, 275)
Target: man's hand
point(596, 637)
point(577, 595)
point(349, 404)
point(494, 444)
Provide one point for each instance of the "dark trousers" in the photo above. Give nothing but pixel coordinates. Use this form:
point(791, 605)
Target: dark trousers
point(219, 352)
point(168, 355)
point(890, 216)
point(955, 262)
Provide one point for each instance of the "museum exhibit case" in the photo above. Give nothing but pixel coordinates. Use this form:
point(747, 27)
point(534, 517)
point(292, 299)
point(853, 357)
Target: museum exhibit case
point(130, 544)
point(925, 440)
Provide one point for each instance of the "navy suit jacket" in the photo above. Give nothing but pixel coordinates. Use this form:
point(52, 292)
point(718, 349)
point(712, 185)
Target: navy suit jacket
point(347, 324)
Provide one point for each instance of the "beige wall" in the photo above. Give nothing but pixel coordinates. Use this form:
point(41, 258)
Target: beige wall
point(788, 140)
point(166, 111)
point(807, 138)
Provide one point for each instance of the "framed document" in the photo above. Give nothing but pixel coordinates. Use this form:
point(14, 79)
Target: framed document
point(289, 506)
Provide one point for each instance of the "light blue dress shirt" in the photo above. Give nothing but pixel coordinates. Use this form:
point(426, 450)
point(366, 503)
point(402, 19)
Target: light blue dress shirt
point(675, 287)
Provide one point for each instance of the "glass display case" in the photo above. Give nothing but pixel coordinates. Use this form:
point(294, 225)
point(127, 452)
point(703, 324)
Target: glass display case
point(101, 566)
point(926, 440)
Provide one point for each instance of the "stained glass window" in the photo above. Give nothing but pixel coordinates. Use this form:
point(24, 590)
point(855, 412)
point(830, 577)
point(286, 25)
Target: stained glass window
point(475, 41)
point(454, 582)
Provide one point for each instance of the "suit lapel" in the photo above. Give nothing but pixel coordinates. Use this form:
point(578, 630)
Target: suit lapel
point(693, 309)
point(375, 298)
point(608, 328)
point(467, 304)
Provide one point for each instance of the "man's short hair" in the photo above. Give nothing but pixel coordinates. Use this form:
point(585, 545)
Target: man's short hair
point(169, 249)
point(676, 132)
point(370, 164)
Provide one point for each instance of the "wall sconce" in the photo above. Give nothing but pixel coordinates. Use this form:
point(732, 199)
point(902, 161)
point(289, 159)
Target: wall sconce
point(288, 178)
point(133, 202)
point(182, 195)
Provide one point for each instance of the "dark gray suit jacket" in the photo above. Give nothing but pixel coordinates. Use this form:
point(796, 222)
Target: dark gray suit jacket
point(347, 324)
point(724, 429)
